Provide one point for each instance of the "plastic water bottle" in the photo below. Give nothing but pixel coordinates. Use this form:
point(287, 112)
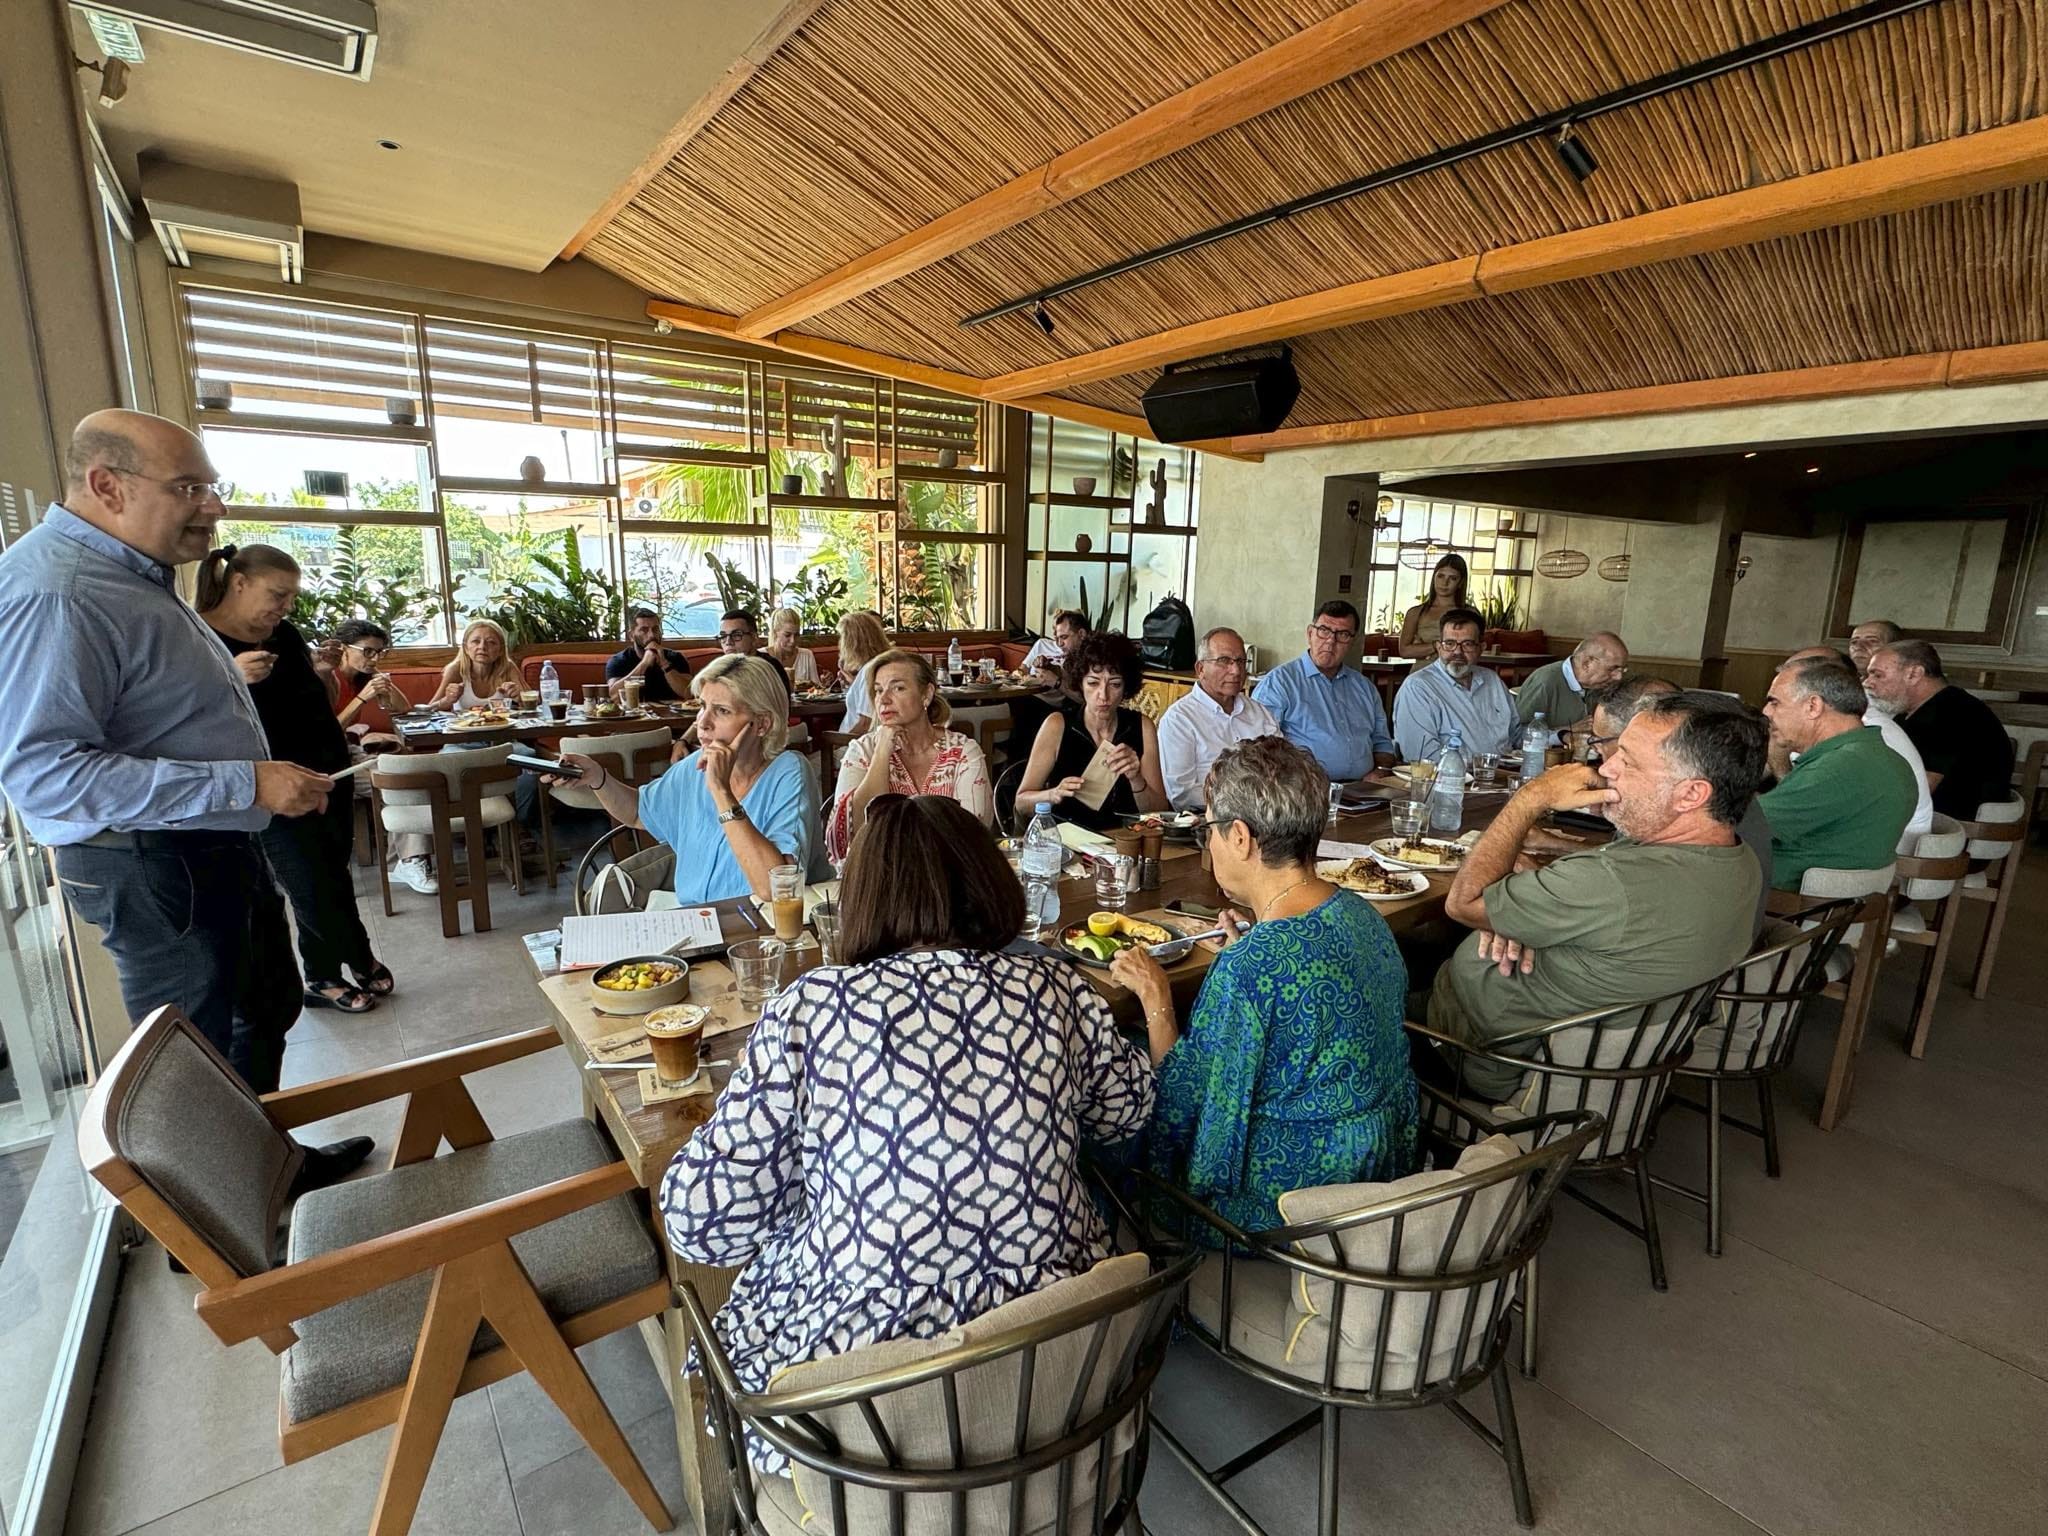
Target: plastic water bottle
point(954, 665)
point(1039, 861)
point(1535, 742)
point(550, 683)
point(1447, 789)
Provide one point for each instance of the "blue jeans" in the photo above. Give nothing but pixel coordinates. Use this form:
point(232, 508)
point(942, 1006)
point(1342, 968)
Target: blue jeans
point(194, 920)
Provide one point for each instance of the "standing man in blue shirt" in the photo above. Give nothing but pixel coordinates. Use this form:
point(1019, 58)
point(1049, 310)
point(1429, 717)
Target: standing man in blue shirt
point(130, 745)
point(1326, 706)
point(1455, 693)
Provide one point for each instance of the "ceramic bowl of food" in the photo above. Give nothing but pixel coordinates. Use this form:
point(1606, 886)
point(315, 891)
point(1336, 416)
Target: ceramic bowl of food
point(639, 984)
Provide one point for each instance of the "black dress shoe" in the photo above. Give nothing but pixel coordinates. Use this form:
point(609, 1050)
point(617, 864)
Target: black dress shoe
point(330, 1164)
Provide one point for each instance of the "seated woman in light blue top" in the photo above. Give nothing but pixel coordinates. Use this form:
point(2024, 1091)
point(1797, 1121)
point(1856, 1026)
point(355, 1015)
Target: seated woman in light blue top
point(737, 806)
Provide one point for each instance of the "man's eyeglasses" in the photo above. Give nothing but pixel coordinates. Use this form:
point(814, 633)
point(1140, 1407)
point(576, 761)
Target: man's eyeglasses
point(195, 492)
point(728, 636)
point(1235, 663)
point(1341, 636)
point(1458, 645)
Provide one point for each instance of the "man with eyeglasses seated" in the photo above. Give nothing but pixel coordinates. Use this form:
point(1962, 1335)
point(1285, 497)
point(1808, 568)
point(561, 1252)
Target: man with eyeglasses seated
point(739, 634)
point(664, 674)
point(1196, 729)
point(1663, 907)
point(132, 749)
point(1324, 705)
point(1455, 693)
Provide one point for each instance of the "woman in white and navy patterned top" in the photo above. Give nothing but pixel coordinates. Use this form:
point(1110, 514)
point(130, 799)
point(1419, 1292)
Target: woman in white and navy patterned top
point(897, 1151)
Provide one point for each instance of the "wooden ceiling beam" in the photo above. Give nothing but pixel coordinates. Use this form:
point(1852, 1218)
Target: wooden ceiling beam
point(1928, 370)
point(823, 349)
point(1361, 35)
point(779, 30)
point(1966, 166)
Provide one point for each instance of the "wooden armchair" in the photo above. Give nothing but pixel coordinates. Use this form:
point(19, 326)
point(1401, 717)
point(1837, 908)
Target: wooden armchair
point(456, 792)
point(637, 758)
point(400, 1290)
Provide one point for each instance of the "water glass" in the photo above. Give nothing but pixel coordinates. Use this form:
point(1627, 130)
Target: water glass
point(1410, 816)
point(1486, 768)
point(1037, 895)
point(825, 921)
point(1336, 794)
point(757, 965)
point(1112, 880)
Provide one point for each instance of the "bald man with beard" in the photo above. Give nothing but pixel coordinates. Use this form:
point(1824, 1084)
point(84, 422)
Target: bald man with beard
point(131, 747)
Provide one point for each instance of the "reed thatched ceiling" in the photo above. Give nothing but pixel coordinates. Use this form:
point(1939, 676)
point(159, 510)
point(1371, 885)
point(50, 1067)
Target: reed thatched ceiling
point(877, 116)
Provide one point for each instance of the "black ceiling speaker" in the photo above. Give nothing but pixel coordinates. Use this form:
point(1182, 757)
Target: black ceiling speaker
point(1245, 395)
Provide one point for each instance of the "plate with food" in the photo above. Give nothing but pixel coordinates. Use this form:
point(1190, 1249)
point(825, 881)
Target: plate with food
point(1104, 935)
point(1178, 826)
point(481, 720)
point(1430, 854)
point(639, 983)
point(1372, 879)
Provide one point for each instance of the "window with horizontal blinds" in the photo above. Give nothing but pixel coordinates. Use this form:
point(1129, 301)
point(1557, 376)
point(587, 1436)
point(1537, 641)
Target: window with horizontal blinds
point(918, 424)
point(289, 357)
point(484, 374)
point(679, 399)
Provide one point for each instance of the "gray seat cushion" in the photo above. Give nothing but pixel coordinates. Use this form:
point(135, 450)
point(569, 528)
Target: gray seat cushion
point(364, 1346)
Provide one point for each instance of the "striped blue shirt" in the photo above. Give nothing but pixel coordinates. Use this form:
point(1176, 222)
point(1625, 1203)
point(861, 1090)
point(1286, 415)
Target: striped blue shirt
point(123, 712)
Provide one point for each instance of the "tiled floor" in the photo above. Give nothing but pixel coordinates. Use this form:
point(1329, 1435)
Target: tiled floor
point(1870, 1354)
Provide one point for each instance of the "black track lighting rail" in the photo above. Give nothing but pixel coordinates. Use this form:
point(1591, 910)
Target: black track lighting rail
point(1558, 125)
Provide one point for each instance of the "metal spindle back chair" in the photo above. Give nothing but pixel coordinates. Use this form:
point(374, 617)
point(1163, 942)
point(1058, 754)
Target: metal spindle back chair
point(1752, 1034)
point(1031, 1419)
point(1382, 1296)
point(1615, 1062)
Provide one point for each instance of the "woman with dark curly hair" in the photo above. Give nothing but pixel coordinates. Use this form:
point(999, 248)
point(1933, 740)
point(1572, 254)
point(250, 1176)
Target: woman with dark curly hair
point(1098, 675)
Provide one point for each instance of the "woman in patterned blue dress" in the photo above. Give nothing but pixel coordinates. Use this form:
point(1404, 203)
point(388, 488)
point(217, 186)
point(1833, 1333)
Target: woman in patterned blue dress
point(897, 1151)
point(1293, 1070)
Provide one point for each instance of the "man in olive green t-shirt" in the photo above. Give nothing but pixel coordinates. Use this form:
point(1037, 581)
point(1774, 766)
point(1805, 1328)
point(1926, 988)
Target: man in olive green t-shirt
point(1845, 803)
point(1561, 689)
point(1667, 905)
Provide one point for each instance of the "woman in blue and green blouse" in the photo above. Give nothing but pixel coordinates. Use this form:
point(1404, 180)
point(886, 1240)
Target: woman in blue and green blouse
point(1293, 1068)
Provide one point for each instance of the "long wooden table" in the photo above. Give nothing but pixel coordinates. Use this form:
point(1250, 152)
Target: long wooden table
point(648, 1137)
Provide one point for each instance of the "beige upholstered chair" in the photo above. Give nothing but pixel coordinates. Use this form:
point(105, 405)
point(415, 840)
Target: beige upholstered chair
point(1998, 836)
point(1751, 1036)
point(634, 757)
point(1931, 872)
point(1381, 1296)
point(457, 792)
point(1852, 970)
point(1030, 1419)
point(398, 1291)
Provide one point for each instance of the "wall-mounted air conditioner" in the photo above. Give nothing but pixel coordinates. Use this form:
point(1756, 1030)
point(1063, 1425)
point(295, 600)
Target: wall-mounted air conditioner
point(338, 36)
point(198, 212)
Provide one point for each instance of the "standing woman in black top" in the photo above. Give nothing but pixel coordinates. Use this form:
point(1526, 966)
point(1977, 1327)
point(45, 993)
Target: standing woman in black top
point(244, 595)
point(1099, 674)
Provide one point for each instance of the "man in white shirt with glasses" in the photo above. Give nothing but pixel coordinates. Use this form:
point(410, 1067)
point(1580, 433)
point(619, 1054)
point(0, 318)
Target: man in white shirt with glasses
point(1218, 714)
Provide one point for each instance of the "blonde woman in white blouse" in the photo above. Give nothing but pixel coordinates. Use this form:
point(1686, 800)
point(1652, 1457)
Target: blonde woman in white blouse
point(784, 624)
point(909, 751)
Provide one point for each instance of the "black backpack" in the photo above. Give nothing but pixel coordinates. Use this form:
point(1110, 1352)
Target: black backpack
point(1169, 641)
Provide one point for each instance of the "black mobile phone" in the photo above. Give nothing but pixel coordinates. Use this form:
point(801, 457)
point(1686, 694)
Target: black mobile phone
point(539, 764)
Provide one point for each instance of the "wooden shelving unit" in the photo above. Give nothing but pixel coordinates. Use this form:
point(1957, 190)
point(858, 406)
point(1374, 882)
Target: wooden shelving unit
point(957, 476)
point(1099, 503)
point(832, 503)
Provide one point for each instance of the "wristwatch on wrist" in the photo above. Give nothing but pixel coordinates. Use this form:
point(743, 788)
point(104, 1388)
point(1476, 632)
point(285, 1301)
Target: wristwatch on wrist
point(737, 813)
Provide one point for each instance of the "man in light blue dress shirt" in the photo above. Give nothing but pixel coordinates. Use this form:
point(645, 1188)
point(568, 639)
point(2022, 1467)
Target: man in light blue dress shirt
point(130, 745)
point(1325, 705)
point(1454, 691)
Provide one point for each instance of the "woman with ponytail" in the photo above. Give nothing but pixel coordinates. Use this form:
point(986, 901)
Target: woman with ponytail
point(244, 595)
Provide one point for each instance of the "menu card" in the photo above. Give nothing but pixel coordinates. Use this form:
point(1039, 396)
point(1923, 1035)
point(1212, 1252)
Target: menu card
point(588, 942)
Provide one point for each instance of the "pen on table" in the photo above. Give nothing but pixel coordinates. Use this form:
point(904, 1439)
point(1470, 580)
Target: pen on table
point(747, 912)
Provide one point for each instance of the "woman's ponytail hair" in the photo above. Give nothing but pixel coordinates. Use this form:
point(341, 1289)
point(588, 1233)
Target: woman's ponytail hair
point(227, 561)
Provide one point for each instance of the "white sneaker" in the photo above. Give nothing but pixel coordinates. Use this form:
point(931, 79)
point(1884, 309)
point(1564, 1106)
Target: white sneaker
point(415, 873)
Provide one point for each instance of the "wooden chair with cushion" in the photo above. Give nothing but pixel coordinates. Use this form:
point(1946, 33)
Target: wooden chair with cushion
point(637, 758)
point(1031, 1420)
point(1754, 1028)
point(1615, 1062)
point(1381, 1296)
point(1997, 838)
point(1931, 870)
point(620, 871)
point(397, 1291)
point(1852, 969)
point(457, 792)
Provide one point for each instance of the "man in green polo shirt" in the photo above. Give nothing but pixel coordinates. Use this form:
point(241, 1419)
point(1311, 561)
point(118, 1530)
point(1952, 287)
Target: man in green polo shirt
point(1843, 796)
point(1560, 690)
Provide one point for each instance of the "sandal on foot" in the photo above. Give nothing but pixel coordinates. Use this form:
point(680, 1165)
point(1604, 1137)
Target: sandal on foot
point(340, 996)
point(376, 979)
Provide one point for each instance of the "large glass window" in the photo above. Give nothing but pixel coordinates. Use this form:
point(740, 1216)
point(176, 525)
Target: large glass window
point(1411, 534)
point(1111, 526)
point(497, 468)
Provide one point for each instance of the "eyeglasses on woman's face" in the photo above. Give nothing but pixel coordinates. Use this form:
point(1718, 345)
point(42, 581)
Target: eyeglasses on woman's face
point(367, 652)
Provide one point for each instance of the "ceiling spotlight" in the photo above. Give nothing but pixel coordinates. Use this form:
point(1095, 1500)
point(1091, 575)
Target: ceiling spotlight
point(113, 75)
point(1751, 454)
point(1041, 317)
point(1573, 152)
point(1813, 469)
